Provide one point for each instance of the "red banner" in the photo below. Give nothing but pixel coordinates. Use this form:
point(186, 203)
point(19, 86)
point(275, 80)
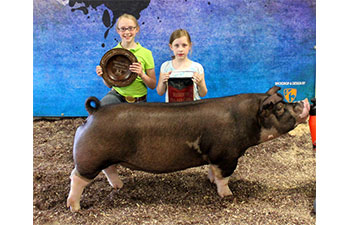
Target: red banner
point(180, 89)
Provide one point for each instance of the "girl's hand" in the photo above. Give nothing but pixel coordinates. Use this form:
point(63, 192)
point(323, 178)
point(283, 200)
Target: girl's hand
point(164, 77)
point(99, 71)
point(136, 68)
point(197, 78)
point(162, 83)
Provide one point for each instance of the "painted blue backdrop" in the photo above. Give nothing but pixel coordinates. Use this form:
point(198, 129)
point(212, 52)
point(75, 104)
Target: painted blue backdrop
point(243, 45)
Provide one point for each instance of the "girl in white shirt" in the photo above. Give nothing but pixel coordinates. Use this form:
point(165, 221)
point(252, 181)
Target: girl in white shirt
point(181, 66)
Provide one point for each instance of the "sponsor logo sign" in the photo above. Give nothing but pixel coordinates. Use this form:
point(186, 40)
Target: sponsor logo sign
point(290, 90)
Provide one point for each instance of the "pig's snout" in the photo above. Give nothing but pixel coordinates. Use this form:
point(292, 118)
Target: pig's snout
point(306, 108)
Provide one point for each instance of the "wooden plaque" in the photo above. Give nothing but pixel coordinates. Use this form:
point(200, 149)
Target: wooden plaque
point(115, 66)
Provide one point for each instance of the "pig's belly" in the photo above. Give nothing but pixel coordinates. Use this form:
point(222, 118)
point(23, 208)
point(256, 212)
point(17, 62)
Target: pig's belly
point(163, 157)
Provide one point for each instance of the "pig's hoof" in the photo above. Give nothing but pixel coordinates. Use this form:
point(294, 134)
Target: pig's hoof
point(74, 206)
point(211, 176)
point(117, 184)
point(114, 181)
point(224, 192)
point(74, 209)
point(113, 177)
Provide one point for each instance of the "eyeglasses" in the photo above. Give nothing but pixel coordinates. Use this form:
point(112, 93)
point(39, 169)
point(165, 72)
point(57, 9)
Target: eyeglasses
point(123, 29)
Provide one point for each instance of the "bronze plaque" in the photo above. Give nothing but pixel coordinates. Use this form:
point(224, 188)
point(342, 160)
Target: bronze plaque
point(115, 66)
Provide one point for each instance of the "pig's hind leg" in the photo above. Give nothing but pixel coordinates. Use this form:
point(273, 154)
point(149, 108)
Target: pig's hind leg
point(76, 189)
point(112, 177)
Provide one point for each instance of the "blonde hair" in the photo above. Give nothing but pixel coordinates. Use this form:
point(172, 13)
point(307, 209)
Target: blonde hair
point(127, 16)
point(179, 33)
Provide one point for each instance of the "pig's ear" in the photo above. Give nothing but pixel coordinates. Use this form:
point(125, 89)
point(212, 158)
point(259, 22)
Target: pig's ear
point(273, 90)
point(268, 103)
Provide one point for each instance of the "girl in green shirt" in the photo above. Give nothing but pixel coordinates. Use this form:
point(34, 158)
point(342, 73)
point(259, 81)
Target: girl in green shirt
point(127, 27)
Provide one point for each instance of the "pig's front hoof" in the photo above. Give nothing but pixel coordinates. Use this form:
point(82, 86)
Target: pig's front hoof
point(225, 192)
point(73, 205)
point(222, 187)
point(211, 175)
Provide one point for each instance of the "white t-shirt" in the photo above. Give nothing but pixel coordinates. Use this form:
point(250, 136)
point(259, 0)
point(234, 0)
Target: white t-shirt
point(194, 67)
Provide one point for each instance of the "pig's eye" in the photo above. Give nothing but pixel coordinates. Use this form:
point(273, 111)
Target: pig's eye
point(280, 108)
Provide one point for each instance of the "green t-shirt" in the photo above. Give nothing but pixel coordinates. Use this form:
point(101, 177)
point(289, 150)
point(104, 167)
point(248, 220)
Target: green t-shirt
point(137, 88)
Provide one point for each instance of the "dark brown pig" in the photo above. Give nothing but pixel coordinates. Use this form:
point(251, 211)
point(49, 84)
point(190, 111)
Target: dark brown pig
point(168, 137)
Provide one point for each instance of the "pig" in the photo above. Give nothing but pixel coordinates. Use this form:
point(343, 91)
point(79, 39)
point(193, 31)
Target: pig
point(168, 137)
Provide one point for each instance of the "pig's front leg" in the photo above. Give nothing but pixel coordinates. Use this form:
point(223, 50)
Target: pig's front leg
point(222, 186)
point(112, 176)
point(215, 176)
point(77, 186)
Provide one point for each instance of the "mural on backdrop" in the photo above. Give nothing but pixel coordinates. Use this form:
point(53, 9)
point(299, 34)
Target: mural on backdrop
point(243, 45)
